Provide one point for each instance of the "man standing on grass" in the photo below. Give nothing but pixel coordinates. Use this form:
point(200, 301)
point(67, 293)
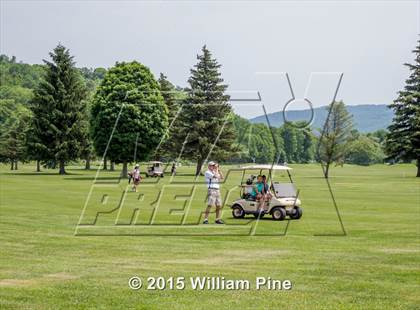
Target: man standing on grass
point(213, 175)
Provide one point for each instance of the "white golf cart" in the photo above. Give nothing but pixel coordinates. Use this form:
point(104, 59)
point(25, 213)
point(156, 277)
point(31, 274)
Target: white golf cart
point(284, 201)
point(155, 169)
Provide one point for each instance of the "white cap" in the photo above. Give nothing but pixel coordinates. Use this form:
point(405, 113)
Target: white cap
point(212, 163)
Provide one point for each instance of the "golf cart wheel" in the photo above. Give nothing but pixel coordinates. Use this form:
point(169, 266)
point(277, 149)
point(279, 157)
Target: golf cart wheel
point(259, 215)
point(278, 214)
point(238, 212)
point(161, 175)
point(296, 213)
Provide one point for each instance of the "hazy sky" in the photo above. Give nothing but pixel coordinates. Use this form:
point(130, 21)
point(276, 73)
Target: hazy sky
point(255, 41)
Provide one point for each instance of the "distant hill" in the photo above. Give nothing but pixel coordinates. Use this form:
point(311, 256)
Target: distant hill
point(367, 117)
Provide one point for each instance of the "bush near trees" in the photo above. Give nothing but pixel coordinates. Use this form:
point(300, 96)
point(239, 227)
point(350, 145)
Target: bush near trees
point(364, 151)
point(129, 93)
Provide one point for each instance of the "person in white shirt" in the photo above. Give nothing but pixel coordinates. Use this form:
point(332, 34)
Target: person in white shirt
point(213, 175)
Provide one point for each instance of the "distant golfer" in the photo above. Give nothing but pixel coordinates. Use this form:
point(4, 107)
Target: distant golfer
point(213, 175)
point(135, 175)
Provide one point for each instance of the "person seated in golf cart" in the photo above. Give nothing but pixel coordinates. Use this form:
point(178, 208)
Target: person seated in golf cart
point(258, 193)
point(267, 192)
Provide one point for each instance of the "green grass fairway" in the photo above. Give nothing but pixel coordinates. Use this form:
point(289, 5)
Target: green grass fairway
point(43, 265)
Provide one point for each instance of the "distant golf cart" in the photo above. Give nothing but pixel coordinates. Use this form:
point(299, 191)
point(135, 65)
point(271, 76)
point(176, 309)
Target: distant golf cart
point(284, 201)
point(154, 169)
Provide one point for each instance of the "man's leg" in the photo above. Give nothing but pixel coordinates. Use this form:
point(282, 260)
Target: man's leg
point(218, 207)
point(206, 213)
point(210, 202)
point(218, 215)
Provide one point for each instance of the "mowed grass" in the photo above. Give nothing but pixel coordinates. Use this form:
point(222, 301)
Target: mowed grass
point(44, 265)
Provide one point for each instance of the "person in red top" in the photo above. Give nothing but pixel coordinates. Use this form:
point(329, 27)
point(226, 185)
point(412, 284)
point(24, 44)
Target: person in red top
point(135, 175)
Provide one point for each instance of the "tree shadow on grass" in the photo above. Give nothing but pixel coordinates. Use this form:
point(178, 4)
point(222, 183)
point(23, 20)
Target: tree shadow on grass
point(90, 178)
point(39, 173)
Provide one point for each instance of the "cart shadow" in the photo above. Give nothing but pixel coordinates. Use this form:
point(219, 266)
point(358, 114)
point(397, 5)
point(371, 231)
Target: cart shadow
point(253, 219)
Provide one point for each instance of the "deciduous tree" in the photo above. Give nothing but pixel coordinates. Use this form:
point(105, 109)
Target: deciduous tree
point(130, 94)
point(334, 136)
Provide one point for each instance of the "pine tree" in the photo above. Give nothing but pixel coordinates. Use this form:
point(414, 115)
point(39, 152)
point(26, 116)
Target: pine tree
point(59, 110)
point(207, 127)
point(403, 139)
point(334, 136)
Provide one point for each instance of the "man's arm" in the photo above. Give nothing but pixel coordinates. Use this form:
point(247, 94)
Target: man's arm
point(219, 172)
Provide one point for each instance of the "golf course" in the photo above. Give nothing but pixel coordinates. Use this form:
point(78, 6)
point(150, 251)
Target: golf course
point(55, 255)
point(209, 155)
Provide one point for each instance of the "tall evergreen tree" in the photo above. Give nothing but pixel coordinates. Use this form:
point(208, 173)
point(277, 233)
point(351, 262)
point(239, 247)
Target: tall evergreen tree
point(334, 136)
point(207, 115)
point(59, 110)
point(403, 139)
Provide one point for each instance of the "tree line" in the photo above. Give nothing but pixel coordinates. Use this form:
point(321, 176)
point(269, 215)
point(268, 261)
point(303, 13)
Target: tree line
point(56, 113)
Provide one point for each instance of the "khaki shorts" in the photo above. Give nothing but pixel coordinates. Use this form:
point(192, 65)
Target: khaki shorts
point(214, 198)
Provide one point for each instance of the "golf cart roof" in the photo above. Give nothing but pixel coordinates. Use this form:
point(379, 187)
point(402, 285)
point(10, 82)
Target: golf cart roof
point(267, 167)
point(155, 162)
